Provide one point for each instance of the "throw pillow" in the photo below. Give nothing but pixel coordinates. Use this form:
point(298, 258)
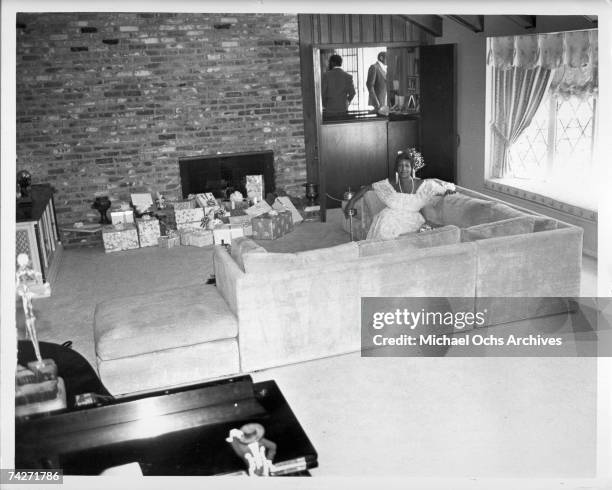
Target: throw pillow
point(459, 210)
point(506, 227)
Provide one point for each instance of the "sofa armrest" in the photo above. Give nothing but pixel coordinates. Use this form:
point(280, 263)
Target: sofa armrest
point(227, 275)
point(546, 263)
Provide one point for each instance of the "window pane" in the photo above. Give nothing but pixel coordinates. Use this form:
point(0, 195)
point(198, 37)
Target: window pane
point(528, 155)
point(573, 139)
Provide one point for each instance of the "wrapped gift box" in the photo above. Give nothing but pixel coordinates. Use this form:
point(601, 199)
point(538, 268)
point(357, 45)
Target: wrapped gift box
point(119, 237)
point(193, 216)
point(240, 220)
point(122, 216)
point(271, 226)
point(206, 200)
point(200, 238)
point(223, 234)
point(167, 220)
point(165, 241)
point(184, 204)
point(148, 231)
point(185, 235)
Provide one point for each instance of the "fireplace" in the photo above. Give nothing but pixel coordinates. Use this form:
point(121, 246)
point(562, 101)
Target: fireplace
point(222, 174)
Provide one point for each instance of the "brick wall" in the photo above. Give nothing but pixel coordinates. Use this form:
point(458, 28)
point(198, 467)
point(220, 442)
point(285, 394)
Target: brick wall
point(108, 102)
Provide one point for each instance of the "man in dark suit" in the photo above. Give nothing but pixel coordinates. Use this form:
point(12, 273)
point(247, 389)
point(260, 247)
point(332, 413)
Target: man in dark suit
point(377, 82)
point(337, 88)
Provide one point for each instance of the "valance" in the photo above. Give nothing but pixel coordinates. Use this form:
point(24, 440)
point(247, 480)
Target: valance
point(573, 55)
point(573, 48)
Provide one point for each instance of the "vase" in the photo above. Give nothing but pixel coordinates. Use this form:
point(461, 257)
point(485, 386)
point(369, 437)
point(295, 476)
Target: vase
point(102, 204)
point(312, 193)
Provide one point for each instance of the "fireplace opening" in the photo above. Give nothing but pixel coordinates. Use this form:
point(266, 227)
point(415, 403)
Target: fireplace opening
point(225, 173)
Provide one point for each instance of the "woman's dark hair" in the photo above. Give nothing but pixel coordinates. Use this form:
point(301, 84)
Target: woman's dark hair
point(335, 60)
point(412, 155)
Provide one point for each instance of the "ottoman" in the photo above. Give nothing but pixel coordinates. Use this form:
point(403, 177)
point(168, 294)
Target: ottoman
point(165, 339)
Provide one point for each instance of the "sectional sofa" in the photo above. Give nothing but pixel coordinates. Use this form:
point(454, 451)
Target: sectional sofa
point(270, 309)
point(296, 307)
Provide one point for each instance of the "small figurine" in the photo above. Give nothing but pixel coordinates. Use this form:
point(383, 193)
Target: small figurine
point(249, 444)
point(27, 280)
point(160, 201)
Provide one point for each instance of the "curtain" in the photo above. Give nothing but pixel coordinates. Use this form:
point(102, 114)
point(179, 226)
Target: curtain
point(518, 94)
point(525, 68)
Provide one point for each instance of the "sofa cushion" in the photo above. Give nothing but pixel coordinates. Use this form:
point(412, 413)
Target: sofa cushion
point(278, 262)
point(145, 323)
point(506, 227)
point(430, 238)
point(502, 211)
point(465, 211)
point(242, 246)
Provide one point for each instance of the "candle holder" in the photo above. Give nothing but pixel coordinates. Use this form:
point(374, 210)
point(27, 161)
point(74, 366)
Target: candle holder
point(312, 192)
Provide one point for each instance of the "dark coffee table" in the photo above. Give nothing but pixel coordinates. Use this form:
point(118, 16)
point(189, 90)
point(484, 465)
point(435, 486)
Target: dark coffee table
point(175, 432)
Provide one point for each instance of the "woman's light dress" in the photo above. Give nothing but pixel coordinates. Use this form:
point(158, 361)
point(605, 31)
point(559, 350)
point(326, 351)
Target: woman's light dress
point(401, 214)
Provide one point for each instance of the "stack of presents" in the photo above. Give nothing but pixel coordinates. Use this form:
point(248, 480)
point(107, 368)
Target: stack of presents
point(199, 221)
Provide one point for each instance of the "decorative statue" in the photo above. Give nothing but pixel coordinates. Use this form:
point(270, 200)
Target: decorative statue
point(249, 444)
point(29, 284)
point(24, 181)
point(160, 201)
point(37, 387)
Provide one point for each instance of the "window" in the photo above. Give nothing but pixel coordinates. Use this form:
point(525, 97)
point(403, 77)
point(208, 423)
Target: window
point(558, 142)
point(355, 61)
point(543, 131)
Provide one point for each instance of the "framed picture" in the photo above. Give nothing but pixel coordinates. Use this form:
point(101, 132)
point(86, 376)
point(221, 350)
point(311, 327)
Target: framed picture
point(411, 83)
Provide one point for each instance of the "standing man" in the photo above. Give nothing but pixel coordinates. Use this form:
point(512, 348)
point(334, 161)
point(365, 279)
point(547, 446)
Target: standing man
point(377, 82)
point(337, 88)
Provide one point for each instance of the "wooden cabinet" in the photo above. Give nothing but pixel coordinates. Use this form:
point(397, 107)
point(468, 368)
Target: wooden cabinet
point(439, 138)
point(37, 233)
point(351, 155)
point(400, 135)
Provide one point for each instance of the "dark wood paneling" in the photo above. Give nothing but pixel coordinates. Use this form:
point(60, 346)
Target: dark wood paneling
point(438, 112)
point(306, 31)
point(400, 135)
point(430, 23)
point(355, 28)
point(353, 154)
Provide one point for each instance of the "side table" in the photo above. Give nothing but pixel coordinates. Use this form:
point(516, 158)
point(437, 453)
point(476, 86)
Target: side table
point(178, 432)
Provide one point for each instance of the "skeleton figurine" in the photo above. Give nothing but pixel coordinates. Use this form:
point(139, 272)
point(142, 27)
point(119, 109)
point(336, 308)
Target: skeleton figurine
point(249, 444)
point(29, 285)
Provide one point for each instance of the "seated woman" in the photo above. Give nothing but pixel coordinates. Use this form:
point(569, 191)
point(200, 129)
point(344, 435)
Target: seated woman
point(403, 198)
